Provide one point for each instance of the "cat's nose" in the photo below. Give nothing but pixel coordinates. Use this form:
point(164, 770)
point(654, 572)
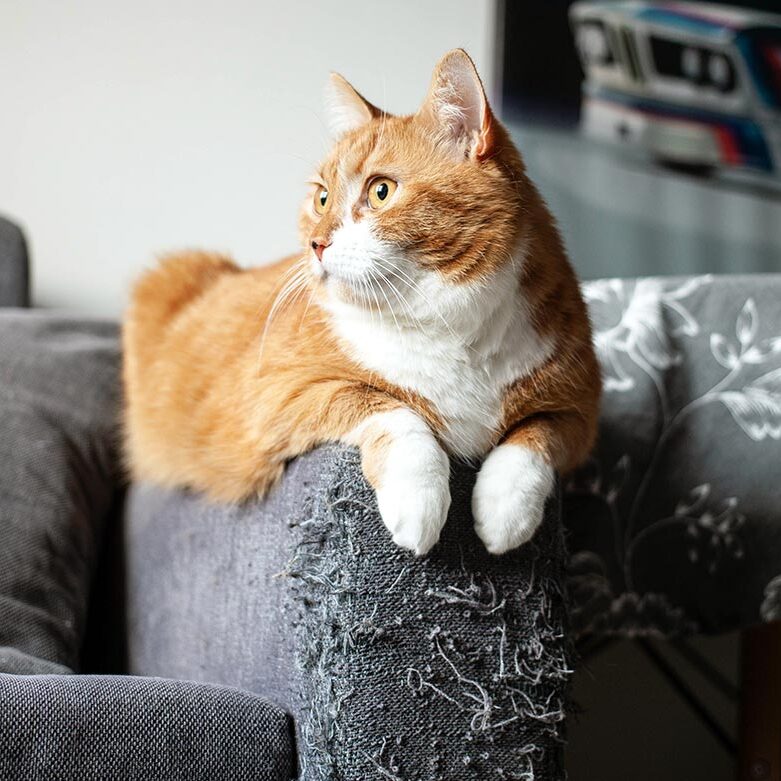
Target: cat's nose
point(319, 245)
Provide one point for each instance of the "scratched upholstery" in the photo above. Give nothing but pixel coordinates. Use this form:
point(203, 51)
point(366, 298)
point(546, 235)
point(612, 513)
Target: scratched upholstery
point(448, 667)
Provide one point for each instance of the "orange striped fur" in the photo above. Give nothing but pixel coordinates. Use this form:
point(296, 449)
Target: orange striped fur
point(443, 320)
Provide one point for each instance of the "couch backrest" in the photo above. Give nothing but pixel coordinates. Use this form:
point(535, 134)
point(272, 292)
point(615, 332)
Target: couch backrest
point(14, 266)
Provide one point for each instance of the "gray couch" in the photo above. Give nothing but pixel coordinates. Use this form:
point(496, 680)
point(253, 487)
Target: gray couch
point(290, 638)
point(147, 634)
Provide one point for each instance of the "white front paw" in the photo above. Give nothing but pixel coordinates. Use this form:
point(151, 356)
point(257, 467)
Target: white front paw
point(411, 474)
point(509, 497)
point(414, 510)
point(414, 491)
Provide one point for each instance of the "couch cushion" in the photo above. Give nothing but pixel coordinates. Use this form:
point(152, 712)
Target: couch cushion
point(80, 728)
point(58, 414)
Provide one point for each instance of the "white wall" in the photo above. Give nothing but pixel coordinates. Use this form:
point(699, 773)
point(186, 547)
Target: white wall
point(132, 127)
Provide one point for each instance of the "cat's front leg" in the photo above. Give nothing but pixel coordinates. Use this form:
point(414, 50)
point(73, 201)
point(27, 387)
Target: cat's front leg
point(508, 501)
point(410, 472)
point(517, 478)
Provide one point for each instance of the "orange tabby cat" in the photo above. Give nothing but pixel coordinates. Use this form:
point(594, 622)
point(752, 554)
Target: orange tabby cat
point(433, 314)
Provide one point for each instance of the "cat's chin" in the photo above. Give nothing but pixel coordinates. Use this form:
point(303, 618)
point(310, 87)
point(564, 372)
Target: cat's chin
point(346, 291)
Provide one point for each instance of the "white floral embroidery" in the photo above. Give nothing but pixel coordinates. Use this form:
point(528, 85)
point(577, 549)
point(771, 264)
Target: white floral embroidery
point(711, 535)
point(642, 332)
point(757, 406)
point(770, 609)
point(637, 330)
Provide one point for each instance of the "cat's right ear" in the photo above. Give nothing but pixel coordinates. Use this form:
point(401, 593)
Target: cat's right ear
point(457, 109)
point(345, 108)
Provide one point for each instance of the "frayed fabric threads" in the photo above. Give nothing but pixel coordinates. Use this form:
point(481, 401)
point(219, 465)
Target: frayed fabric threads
point(445, 668)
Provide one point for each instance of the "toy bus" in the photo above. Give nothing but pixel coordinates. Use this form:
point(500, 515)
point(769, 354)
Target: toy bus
point(692, 84)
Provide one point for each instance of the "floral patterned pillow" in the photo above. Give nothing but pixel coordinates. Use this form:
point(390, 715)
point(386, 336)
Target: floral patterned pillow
point(675, 523)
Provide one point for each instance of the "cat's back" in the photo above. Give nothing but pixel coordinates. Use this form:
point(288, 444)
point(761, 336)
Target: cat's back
point(188, 318)
point(194, 290)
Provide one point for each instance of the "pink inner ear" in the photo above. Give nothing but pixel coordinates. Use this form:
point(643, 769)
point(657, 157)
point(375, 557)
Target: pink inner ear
point(462, 103)
point(462, 83)
point(346, 108)
point(485, 145)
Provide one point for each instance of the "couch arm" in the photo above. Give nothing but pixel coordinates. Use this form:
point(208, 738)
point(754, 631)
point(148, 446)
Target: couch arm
point(14, 266)
point(82, 727)
point(452, 666)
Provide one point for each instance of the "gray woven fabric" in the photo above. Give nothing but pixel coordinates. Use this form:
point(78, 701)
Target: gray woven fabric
point(453, 666)
point(19, 663)
point(95, 728)
point(14, 266)
point(58, 413)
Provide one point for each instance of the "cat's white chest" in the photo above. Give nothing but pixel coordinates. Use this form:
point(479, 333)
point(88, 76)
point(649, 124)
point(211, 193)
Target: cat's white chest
point(466, 390)
point(465, 381)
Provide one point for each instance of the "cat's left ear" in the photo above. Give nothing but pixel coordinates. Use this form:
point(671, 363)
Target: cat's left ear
point(345, 108)
point(457, 108)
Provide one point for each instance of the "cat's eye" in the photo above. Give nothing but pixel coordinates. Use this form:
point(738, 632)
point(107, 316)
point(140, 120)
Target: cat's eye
point(380, 191)
point(321, 199)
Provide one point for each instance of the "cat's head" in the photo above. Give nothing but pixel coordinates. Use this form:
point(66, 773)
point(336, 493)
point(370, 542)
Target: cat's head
point(407, 210)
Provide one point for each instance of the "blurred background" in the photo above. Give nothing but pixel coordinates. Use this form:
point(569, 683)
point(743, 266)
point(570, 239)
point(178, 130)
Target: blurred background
point(128, 129)
point(134, 128)
point(653, 129)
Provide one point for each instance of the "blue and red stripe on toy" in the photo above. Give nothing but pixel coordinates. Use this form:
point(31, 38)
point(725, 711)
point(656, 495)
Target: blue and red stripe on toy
point(688, 20)
point(757, 47)
point(749, 40)
point(740, 138)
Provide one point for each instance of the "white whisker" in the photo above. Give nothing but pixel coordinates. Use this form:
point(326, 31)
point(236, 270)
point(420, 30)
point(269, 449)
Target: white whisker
point(292, 283)
point(387, 301)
